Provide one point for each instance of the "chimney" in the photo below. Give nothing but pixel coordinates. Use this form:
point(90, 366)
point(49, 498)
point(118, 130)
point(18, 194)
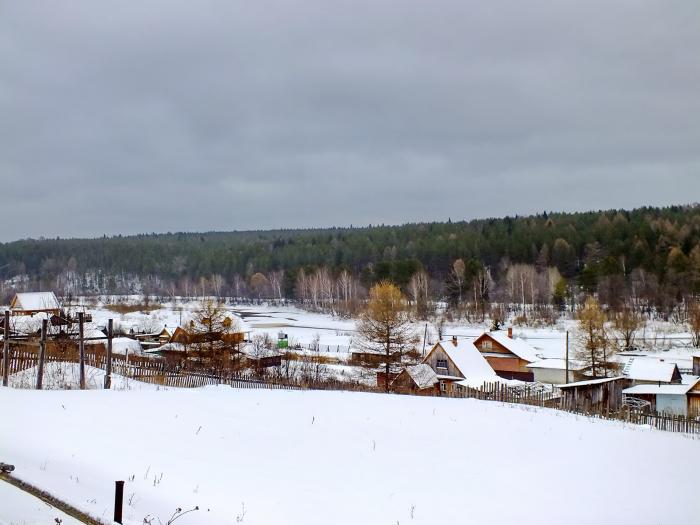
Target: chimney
point(454, 340)
point(510, 332)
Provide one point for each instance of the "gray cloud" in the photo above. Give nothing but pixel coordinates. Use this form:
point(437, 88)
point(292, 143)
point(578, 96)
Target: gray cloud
point(124, 117)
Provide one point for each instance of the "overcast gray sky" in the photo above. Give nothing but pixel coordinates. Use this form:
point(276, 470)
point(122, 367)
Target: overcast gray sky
point(126, 117)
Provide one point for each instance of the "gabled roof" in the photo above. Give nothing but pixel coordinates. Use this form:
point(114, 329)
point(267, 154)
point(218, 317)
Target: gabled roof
point(466, 357)
point(517, 346)
point(423, 376)
point(650, 369)
point(35, 301)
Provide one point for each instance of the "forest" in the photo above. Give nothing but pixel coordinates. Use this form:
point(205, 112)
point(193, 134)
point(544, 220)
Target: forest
point(646, 257)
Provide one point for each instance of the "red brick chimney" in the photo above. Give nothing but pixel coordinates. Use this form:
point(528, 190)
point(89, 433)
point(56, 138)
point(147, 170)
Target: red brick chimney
point(510, 332)
point(454, 340)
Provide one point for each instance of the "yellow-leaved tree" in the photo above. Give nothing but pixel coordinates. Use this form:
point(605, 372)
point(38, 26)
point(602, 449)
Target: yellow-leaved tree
point(385, 325)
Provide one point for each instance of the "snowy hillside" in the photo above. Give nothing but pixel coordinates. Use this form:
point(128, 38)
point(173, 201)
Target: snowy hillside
point(278, 457)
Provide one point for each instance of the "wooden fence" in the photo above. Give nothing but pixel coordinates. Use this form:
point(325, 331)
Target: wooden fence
point(163, 372)
point(167, 373)
point(545, 397)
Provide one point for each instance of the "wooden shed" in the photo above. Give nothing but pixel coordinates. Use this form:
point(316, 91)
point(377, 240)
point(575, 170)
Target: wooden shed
point(418, 380)
point(595, 395)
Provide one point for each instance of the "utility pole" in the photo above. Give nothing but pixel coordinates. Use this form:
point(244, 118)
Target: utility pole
point(81, 348)
point(108, 371)
point(566, 379)
point(425, 336)
point(6, 350)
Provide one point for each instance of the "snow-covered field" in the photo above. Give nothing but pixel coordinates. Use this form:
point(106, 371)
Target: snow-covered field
point(305, 457)
point(20, 508)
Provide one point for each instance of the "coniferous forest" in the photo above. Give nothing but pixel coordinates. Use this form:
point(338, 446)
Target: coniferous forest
point(648, 257)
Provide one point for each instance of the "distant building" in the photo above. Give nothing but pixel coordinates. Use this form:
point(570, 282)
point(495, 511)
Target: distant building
point(508, 357)
point(553, 371)
point(30, 303)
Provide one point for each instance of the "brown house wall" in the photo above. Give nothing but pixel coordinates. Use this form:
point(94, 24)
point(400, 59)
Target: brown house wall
point(509, 366)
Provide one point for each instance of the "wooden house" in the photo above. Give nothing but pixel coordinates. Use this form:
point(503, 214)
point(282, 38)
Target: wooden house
point(418, 380)
point(594, 395)
point(455, 360)
point(508, 357)
point(31, 303)
point(672, 399)
point(696, 364)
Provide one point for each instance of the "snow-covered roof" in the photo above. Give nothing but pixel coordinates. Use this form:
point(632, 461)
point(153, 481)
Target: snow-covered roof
point(35, 301)
point(556, 364)
point(422, 375)
point(592, 382)
point(168, 347)
point(659, 389)
point(467, 358)
point(122, 345)
point(519, 347)
point(650, 369)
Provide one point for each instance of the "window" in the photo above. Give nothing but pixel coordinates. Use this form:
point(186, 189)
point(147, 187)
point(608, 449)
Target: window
point(486, 344)
point(442, 363)
point(443, 386)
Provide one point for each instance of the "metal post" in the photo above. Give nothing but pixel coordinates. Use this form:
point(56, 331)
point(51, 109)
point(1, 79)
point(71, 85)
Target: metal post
point(6, 350)
point(42, 355)
point(81, 347)
point(118, 500)
point(108, 371)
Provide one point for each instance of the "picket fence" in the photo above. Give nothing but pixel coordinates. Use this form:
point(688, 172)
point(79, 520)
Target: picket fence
point(162, 372)
point(545, 397)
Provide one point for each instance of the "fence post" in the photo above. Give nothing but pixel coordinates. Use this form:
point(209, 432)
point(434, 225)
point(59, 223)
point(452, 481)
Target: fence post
point(6, 350)
point(118, 500)
point(108, 367)
point(42, 355)
point(81, 347)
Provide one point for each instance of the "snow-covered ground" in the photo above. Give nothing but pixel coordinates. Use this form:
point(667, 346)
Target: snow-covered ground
point(305, 457)
point(66, 376)
point(20, 508)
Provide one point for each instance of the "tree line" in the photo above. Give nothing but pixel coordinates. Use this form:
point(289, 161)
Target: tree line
point(648, 258)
